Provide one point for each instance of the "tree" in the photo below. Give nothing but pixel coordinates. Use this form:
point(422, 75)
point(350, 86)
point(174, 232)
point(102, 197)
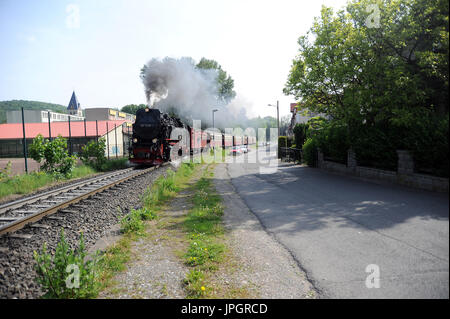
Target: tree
point(57, 160)
point(384, 85)
point(132, 108)
point(225, 83)
point(396, 72)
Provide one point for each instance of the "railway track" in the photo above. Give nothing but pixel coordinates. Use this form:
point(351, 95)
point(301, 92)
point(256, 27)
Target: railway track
point(17, 214)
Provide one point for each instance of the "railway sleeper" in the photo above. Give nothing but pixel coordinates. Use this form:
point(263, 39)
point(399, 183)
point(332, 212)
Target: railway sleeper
point(37, 225)
point(19, 236)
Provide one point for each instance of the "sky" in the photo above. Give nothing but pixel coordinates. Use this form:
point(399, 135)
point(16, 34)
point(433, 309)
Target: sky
point(49, 48)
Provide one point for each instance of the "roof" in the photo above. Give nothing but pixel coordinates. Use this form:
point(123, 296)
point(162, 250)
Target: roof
point(73, 104)
point(15, 131)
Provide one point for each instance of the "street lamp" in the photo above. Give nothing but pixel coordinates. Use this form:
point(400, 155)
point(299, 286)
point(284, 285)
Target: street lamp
point(278, 121)
point(278, 116)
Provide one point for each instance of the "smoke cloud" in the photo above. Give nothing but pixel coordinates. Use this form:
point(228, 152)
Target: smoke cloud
point(176, 86)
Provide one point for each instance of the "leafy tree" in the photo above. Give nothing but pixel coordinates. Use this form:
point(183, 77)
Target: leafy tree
point(132, 108)
point(57, 160)
point(384, 85)
point(225, 83)
point(397, 72)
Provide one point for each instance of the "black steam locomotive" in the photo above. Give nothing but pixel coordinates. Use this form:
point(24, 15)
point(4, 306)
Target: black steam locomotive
point(158, 137)
point(153, 137)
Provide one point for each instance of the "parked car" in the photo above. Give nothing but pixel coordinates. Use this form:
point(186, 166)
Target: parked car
point(236, 150)
point(244, 148)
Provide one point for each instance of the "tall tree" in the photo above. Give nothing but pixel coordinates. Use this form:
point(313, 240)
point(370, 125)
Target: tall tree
point(382, 63)
point(132, 108)
point(225, 83)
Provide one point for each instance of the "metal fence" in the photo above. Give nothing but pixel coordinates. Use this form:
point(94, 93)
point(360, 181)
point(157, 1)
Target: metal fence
point(290, 154)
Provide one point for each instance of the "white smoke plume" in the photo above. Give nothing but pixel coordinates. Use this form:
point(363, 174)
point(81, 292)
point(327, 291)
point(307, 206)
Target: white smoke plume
point(177, 86)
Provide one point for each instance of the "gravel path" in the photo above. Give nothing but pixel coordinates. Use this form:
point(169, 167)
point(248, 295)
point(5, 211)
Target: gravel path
point(155, 272)
point(267, 269)
point(94, 217)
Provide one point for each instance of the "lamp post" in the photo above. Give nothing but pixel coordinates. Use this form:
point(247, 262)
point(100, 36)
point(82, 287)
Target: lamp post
point(278, 116)
point(214, 133)
point(278, 120)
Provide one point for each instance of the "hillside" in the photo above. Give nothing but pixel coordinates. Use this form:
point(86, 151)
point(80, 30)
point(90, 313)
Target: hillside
point(30, 105)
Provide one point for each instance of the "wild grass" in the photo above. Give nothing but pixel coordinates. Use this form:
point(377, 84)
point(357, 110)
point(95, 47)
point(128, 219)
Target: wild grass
point(204, 227)
point(27, 183)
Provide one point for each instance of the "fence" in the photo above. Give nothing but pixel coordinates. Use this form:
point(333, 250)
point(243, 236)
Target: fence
point(290, 154)
point(405, 173)
point(16, 138)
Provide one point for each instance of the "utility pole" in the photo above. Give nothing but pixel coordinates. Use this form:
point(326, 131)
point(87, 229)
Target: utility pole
point(49, 127)
point(24, 143)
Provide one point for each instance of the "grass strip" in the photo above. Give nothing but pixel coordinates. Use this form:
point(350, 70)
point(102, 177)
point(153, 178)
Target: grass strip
point(204, 227)
point(27, 183)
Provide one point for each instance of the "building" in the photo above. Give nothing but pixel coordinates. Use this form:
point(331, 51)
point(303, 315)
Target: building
point(74, 108)
point(74, 112)
point(301, 117)
point(108, 114)
point(116, 133)
point(39, 116)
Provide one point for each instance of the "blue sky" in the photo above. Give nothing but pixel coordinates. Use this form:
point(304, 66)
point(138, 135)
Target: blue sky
point(45, 53)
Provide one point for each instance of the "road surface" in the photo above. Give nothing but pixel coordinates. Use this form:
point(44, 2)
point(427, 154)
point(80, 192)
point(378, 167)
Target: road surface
point(353, 238)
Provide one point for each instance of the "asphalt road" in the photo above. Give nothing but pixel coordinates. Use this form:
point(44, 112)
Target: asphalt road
point(336, 226)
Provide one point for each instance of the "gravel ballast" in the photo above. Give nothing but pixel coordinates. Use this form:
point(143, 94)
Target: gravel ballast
point(93, 216)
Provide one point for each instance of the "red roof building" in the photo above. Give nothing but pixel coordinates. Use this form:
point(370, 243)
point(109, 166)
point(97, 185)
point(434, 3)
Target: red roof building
point(116, 133)
point(15, 130)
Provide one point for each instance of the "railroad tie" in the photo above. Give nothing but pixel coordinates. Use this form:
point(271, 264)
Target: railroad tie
point(51, 217)
point(40, 226)
point(68, 211)
point(20, 236)
point(26, 212)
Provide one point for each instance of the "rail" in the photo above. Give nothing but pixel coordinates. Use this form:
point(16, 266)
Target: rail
point(15, 215)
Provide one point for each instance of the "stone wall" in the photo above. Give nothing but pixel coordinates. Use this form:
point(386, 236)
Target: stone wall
point(404, 175)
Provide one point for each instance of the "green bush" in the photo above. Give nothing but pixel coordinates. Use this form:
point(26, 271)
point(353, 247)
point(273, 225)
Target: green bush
point(333, 140)
point(5, 173)
point(93, 154)
point(57, 160)
point(309, 150)
point(283, 141)
point(66, 274)
point(114, 164)
point(300, 131)
point(132, 222)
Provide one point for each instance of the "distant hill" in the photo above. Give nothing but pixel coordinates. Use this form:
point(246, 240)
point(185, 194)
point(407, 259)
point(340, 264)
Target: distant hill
point(30, 105)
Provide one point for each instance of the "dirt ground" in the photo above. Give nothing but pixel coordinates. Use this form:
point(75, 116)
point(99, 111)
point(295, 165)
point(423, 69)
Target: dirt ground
point(18, 165)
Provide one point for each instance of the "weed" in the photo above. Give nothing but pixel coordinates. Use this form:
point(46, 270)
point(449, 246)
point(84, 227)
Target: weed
point(66, 274)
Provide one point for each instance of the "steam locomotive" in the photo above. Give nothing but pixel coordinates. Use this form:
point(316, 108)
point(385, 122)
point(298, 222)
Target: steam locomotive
point(158, 137)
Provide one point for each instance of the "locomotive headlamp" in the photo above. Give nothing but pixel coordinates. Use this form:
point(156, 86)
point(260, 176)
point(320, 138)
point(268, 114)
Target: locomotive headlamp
point(147, 109)
point(135, 140)
point(155, 140)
